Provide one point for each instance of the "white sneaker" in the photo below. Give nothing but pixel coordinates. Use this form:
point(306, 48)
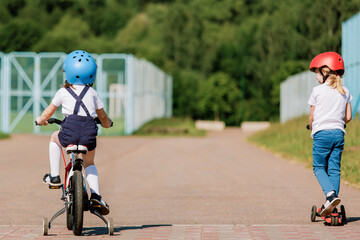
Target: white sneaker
point(52, 181)
point(331, 202)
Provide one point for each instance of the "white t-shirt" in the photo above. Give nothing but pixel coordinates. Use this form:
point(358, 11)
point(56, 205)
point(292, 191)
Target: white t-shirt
point(330, 108)
point(91, 101)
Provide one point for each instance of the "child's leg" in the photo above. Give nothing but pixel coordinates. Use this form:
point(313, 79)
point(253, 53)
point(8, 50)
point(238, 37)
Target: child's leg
point(335, 159)
point(321, 152)
point(54, 154)
point(92, 176)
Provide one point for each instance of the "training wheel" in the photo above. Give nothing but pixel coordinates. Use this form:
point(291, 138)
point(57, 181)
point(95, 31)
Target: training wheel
point(313, 213)
point(45, 226)
point(110, 226)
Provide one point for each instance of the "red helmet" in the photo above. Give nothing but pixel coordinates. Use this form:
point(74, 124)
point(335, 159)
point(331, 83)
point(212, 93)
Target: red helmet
point(331, 60)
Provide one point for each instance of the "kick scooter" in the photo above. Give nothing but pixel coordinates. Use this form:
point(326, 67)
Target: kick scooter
point(74, 194)
point(334, 219)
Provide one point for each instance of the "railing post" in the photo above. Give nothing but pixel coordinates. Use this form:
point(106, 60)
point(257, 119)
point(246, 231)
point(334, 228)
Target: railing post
point(5, 94)
point(36, 91)
point(129, 110)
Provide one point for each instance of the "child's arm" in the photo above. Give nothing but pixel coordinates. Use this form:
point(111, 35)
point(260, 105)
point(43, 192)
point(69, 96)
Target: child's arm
point(48, 112)
point(348, 113)
point(311, 116)
point(104, 119)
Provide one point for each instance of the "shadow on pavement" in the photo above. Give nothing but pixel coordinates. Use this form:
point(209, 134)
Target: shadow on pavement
point(353, 219)
point(93, 231)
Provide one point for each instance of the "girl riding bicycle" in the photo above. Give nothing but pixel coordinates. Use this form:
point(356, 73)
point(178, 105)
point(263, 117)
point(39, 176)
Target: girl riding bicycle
point(329, 112)
point(80, 105)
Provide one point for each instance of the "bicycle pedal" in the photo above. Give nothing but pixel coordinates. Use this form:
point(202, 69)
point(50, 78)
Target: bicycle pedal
point(96, 206)
point(55, 187)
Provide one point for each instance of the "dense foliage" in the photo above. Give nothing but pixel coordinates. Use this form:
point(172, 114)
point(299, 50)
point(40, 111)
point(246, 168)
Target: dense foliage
point(207, 45)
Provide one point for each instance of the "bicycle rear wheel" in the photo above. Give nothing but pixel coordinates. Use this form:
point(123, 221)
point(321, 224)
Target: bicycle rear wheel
point(77, 207)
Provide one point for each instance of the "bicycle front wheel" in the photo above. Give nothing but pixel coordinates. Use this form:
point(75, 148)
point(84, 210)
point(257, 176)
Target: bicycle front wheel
point(77, 207)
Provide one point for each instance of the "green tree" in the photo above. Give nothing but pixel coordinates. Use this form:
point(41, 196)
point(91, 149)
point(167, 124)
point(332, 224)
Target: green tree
point(143, 35)
point(220, 95)
point(106, 18)
point(14, 6)
point(70, 34)
point(186, 89)
point(19, 35)
point(4, 15)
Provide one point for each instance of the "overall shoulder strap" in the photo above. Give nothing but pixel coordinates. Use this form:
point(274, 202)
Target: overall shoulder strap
point(78, 99)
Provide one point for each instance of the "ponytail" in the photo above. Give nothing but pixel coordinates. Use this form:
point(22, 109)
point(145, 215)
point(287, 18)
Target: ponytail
point(334, 80)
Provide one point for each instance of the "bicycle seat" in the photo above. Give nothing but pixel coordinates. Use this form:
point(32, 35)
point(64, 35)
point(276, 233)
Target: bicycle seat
point(76, 149)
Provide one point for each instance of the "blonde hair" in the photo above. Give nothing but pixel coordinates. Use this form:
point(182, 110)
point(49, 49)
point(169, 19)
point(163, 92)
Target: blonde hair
point(334, 80)
point(67, 85)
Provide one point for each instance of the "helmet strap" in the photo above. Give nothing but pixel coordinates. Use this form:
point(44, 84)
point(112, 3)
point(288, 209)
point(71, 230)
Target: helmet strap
point(325, 77)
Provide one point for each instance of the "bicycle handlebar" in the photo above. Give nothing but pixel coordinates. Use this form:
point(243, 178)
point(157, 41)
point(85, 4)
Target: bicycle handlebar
point(58, 121)
point(54, 120)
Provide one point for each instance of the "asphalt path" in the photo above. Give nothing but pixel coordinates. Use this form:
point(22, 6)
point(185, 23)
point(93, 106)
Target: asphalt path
point(220, 179)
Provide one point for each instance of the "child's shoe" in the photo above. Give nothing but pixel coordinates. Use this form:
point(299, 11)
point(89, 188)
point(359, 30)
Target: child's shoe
point(331, 202)
point(95, 199)
point(52, 181)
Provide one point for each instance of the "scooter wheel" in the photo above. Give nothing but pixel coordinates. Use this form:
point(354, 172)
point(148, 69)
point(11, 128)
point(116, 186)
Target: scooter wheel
point(343, 214)
point(313, 213)
point(333, 221)
point(45, 226)
point(110, 226)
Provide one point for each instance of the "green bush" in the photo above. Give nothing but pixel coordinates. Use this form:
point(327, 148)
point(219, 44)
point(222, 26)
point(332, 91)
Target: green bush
point(170, 127)
point(3, 135)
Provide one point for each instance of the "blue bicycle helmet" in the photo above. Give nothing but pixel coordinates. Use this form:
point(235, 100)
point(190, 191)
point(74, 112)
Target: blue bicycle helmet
point(80, 68)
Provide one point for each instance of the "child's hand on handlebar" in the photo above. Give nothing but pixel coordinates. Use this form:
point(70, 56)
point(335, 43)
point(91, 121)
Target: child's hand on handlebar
point(41, 121)
point(110, 124)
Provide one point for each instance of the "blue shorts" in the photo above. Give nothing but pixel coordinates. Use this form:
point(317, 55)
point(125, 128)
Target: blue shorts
point(78, 130)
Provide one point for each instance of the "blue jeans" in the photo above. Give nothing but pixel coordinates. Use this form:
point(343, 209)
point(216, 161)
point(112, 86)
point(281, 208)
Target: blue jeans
point(327, 149)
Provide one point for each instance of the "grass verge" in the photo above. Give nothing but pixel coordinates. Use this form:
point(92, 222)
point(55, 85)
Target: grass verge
point(170, 127)
point(3, 135)
point(291, 140)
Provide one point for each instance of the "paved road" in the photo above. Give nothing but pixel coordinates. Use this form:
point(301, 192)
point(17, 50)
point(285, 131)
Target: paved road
point(219, 183)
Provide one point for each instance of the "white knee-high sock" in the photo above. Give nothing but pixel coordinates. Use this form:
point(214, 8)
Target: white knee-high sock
point(55, 156)
point(92, 178)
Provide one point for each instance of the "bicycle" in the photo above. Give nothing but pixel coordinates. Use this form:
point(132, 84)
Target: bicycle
point(74, 194)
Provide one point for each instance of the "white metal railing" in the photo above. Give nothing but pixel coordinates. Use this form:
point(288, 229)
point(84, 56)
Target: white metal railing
point(294, 95)
point(28, 81)
point(350, 53)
